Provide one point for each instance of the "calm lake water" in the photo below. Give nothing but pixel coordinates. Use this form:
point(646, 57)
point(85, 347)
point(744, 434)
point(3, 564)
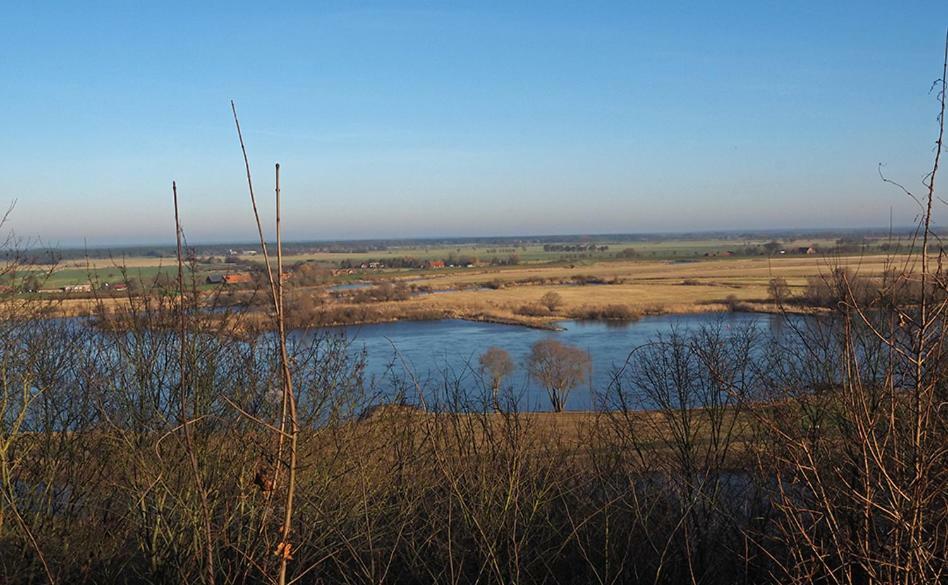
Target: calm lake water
point(434, 351)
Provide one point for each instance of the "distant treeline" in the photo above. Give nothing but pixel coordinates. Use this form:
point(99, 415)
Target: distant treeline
point(382, 245)
point(584, 247)
point(451, 259)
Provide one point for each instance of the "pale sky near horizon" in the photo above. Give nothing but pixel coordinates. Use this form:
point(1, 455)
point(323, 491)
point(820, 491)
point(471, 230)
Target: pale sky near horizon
point(414, 119)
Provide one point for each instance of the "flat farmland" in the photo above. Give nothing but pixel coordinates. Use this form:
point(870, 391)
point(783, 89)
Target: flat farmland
point(711, 272)
point(513, 294)
point(586, 285)
point(64, 276)
point(538, 252)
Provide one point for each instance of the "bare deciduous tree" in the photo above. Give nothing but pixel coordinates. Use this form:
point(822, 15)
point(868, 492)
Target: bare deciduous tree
point(497, 364)
point(772, 247)
point(552, 300)
point(778, 289)
point(559, 368)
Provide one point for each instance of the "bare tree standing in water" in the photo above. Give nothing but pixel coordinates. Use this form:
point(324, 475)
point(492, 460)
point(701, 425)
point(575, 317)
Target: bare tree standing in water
point(497, 364)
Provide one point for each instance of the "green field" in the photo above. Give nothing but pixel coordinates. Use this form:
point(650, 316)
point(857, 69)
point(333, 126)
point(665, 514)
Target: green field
point(104, 270)
point(653, 250)
point(99, 276)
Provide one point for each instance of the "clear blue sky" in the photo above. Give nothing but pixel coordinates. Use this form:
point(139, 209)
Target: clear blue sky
point(437, 118)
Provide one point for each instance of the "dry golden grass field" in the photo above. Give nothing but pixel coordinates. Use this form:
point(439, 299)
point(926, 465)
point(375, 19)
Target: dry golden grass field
point(736, 271)
point(641, 287)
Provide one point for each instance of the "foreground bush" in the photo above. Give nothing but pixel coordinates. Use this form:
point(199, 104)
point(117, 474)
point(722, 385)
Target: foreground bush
point(717, 457)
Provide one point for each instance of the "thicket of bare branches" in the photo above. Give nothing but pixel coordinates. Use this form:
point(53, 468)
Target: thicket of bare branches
point(719, 456)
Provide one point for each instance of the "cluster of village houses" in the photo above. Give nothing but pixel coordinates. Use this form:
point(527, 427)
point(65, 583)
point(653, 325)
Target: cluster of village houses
point(428, 264)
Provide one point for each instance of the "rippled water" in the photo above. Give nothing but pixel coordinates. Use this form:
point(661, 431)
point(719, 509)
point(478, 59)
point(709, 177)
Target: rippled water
point(433, 351)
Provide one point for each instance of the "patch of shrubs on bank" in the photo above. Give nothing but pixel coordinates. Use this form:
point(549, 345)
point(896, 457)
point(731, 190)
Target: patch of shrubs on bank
point(328, 315)
point(604, 313)
point(612, 312)
point(734, 305)
point(845, 286)
point(532, 310)
point(385, 291)
point(583, 279)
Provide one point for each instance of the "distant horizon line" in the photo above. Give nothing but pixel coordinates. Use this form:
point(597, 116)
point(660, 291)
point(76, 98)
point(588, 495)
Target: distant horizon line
point(799, 232)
